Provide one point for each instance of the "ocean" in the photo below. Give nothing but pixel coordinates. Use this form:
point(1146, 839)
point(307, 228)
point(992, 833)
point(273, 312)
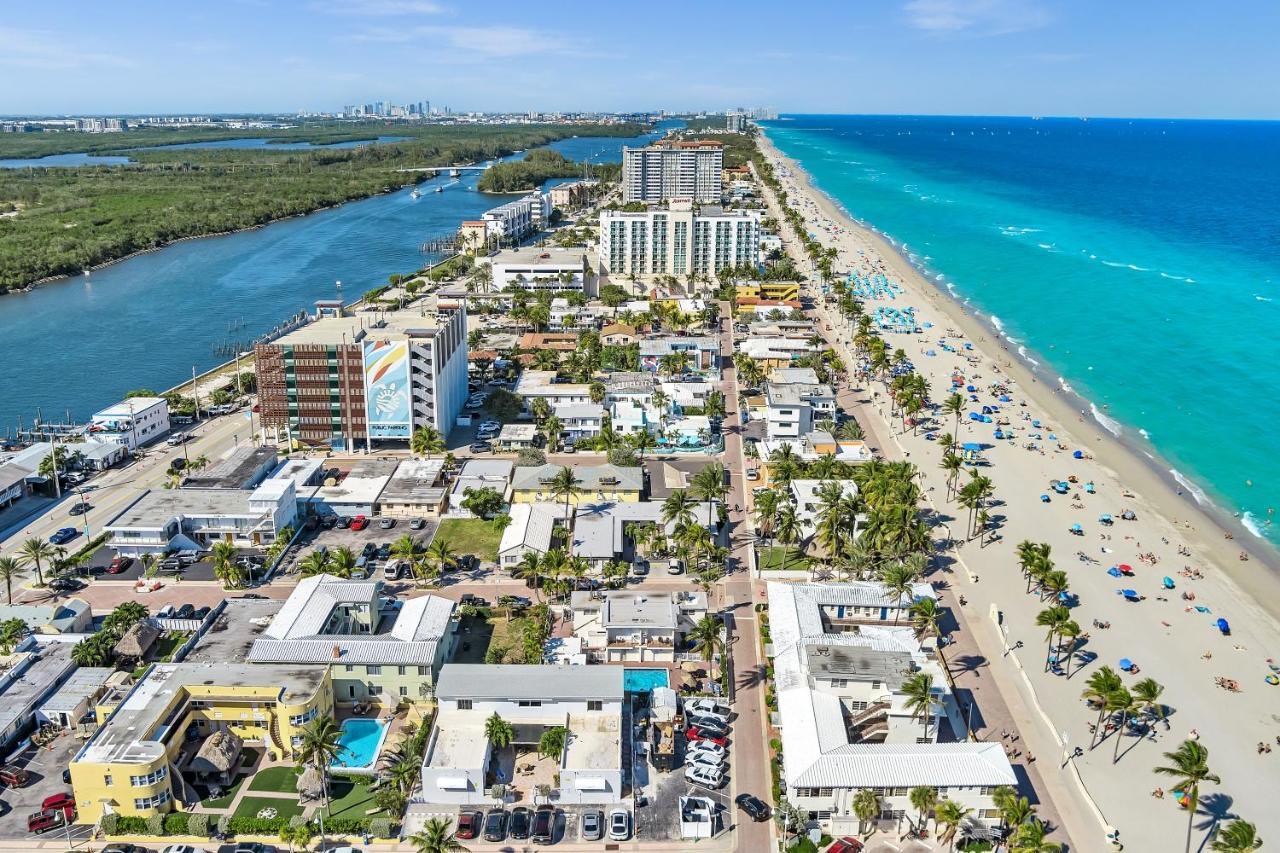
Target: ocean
point(1135, 261)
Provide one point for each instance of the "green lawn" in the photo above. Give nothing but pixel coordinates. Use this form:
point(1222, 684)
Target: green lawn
point(281, 779)
point(471, 536)
point(250, 806)
point(771, 558)
point(229, 795)
point(351, 797)
point(163, 648)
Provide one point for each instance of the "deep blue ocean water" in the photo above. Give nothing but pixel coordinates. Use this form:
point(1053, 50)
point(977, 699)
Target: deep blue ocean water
point(1136, 260)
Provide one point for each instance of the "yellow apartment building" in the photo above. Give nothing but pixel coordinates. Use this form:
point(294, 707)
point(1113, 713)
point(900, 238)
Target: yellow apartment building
point(149, 731)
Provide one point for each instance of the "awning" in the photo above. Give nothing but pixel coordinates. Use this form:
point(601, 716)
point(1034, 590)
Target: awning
point(590, 783)
point(453, 783)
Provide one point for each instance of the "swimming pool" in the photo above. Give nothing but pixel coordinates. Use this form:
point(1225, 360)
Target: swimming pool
point(644, 680)
point(359, 744)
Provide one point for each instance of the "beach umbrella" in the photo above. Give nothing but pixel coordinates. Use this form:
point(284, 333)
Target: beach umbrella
point(1079, 454)
point(1130, 594)
point(1044, 498)
point(1126, 568)
point(1005, 398)
point(971, 388)
point(1168, 582)
point(1114, 572)
point(1223, 626)
point(1126, 664)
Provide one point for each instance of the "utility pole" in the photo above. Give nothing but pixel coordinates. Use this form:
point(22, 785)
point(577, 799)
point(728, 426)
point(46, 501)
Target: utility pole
point(195, 391)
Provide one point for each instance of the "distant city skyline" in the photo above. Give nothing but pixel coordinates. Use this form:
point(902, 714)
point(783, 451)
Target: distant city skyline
point(988, 57)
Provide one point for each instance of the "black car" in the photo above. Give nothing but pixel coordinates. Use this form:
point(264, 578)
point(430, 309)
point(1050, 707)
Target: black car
point(473, 600)
point(518, 827)
point(80, 508)
point(384, 550)
point(254, 847)
point(544, 823)
point(369, 549)
point(753, 806)
point(328, 522)
point(184, 612)
point(200, 613)
point(495, 825)
point(66, 584)
point(343, 523)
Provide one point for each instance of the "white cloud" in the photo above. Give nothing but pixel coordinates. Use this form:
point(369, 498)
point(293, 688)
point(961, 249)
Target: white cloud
point(976, 17)
point(49, 51)
point(482, 42)
point(380, 8)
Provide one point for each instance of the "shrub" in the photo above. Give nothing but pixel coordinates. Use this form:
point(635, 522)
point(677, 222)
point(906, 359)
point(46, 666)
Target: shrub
point(529, 457)
point(297, 821)
point(198, 825)
point(623, 458)
point(110, 823)
point(380, 827)
point(155, 824)
point(224, 824)
point(127, 825)
point(347, 825)
point(249, 825)
point(775, 744)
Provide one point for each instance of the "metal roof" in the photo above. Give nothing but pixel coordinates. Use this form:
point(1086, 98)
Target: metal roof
point(511, 682)
point(906, 765)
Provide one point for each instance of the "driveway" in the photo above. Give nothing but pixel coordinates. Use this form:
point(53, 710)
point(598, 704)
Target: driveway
point(45, 768)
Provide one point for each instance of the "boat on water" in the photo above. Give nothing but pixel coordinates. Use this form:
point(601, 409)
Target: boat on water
point(439, 189)
point(415, 193)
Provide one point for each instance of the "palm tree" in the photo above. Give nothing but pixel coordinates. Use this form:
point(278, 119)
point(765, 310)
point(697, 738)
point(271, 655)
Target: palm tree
point(565, 485)
point(923, 799)
point(1104, 680)
point(954, 405)
point(498, 731)
point(705, 639)
point(953, 465)
point(766, 511)
point(34, 551)
point(11, 633)
point(1121, 700)
point(436, 837)
point(551, 744)
point(708, 484)
point(1189, 766)
point(926, 617)
point(1014, 810)
point(92, 651)
point(949, 813)
point(642, 440)
point(405, 548)
point(10, 569)
point(342, 561)
point(225, 567)
point(315, 563)
point(918, 694)
point(866, 807)
point(787, 530)
point(529, 570)
point(1238, 836)
point(320, 747)
point(441, 554)
point(1069, 631)
point(1052, 618)
point(1030, 838)
point(426, 441)
point(1147, 694)
point(677, 509)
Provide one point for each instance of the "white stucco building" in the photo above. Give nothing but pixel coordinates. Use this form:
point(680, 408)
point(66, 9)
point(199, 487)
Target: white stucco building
point(460, 764)
point(132, 422)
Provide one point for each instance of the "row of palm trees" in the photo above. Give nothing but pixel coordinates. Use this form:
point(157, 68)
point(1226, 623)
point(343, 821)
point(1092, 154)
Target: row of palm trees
point(426, 564)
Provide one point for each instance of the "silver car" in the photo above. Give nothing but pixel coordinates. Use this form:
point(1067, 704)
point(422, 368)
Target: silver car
point(592, 825)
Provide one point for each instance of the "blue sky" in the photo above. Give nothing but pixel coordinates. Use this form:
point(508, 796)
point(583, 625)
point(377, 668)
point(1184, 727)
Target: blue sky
point(1087, 57)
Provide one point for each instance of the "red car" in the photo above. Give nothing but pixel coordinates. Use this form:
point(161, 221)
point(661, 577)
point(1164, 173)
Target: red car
point(846, 845)
point(58, 801)
point(694, 736)
point(360, 522)
point(468, 825)
point(119, 564)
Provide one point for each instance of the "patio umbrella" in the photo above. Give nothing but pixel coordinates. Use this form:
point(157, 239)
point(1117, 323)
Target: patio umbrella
point(1078, 454)
point(1126, 664)
point(1114, 572)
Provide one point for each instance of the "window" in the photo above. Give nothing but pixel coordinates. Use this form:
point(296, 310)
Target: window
point(303, 718)
point(106, 780)
point(150, 778)
point(373, 670)
point(350, 668)
point(595, 704)
point(404, 691)
point(351, 691)
point(464, 704)
point(824, 792)
point(424, 670)
point(839, 682)
point(857, 705)
point(529, 703)
point(151, 802)
point(400, 670)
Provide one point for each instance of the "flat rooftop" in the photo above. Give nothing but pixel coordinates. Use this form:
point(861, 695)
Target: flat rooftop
point(594, 742)
point(384, 326)
point(415, 481)
point(532, 681)
point(535, 256)
point(84, 683)
point(364, 481)
point(131, 406)
point(230, 637)
point(858, 663)
point(157, 507)
point(49, 662)
point(242, 468)
point(135, 732)
point(459, 741)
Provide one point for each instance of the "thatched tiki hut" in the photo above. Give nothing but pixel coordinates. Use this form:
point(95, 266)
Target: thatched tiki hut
point(137, 640)
point(310, 785)
point(219, 756)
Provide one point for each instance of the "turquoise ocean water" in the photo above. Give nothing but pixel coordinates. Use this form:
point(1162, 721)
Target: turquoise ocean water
point(1135, 262)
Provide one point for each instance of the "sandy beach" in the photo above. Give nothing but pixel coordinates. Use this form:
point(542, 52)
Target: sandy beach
point(1165, 634)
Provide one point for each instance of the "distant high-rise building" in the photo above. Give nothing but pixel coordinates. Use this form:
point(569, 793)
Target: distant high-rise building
point(734, 121)
point(685, 169)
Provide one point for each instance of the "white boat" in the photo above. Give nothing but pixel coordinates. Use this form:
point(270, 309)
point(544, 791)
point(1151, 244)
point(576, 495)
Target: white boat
point(415, 193)
point(439, 189)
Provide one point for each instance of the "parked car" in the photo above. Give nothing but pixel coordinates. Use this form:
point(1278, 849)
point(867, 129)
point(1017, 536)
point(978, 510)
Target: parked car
point(753, 473)
point(360, 522)
point(704, 776)
point(544, 824)
point(713, 717)
point(481, 447)
point(592, 825)
point(58, 801)
point(200, 613)
point(675, 567)
point(121, 847)
point(417, 524)
point(495, 825)
point(66, 584)
point(468, 825)
point(252, 847)
point(846, 844)
point(64, 535)
point(709, 725)
point(706, 747)
point(473, 600)
point(703, 704)
point(386, 523)
point(184, 612)
point(518, 826)
point(329, 522)
point(619, 825)
point(80, 508)
point(13, 776)
point(43, 821)
point(753, 806)
point(384, 551)
point(119, 564)
point(703, 759)
point(187, 848)
point(369, 549)
point(343, 522)
point(695, 735)
point(176, 439)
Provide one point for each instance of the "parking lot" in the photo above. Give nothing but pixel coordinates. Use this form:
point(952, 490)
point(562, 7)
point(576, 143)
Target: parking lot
point(356, 540)
point(44, 768)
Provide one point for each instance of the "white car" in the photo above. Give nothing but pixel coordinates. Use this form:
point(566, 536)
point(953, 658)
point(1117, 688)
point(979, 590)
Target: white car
point(700, 774)
point(704, 759)
point(181, 848)
point(619, 825)
point(706, 704)
point(706, 747)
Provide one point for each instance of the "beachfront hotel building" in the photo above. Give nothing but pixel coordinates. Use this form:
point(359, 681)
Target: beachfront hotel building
point(839, 674)
point(350, 381)
point(678, 239)
point(684, 168)
point(151, 735)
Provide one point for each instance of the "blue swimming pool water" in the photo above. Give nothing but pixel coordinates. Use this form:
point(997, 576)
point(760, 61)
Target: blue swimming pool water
point(359, 743)
point(644, 680)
